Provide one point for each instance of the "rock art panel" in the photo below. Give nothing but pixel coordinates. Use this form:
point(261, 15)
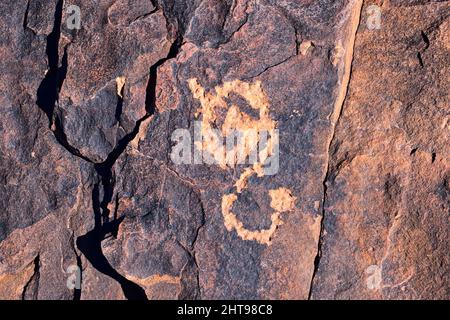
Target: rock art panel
point(232, 149)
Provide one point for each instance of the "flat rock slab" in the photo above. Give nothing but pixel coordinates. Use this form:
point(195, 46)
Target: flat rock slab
point(387, 206)
point(114, 187)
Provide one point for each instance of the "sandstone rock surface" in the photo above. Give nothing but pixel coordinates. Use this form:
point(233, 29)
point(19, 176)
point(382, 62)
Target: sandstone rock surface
point(348, 197)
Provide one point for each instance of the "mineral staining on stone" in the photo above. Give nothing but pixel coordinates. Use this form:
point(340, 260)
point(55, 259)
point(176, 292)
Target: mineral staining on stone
point(120, 83)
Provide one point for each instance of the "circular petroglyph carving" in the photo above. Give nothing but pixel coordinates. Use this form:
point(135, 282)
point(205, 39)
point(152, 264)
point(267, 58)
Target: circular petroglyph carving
point(215, 103)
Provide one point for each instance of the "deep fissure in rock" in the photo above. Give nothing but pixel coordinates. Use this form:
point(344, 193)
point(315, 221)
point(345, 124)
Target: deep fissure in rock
point(33, 283)
point(354, 21)
point(90, 244)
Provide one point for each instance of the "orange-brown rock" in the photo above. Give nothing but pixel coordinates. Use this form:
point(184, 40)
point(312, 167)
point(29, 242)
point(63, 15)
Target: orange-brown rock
point(344, 196)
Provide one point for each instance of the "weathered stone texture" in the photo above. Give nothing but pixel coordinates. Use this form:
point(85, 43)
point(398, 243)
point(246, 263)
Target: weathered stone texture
point(358, 208)
point(387, 202)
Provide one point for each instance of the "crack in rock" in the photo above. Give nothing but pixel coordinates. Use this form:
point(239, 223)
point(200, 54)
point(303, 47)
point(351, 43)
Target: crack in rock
point(355, 19)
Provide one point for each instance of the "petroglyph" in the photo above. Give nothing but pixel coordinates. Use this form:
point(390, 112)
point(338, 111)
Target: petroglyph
point(282, 200)
point(214, 103)
point(235, 121)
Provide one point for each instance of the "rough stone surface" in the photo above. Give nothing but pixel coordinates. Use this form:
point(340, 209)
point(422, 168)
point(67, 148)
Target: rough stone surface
point(387, 203)
point(92, 205)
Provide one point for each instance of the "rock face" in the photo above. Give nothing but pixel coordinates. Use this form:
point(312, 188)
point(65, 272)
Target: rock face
point(387, 200)
point(117, 181)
